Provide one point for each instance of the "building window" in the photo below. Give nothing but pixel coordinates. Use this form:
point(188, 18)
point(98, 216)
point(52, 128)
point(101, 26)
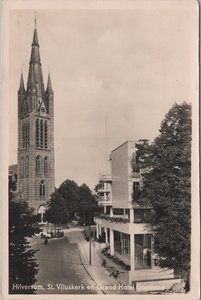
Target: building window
point(22, 167)
point(42, 188)
point(46, 166)
point(46, 132)
point(139, 239)
point(37, 133)
point(136, 191)
point(25, 134)
point(28, 133)
point(41, 134)
point(136, 167)
point(38, 165)
point(27, 167)
point(34, 103)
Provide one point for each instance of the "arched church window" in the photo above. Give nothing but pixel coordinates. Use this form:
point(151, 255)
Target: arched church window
point(34, 103)
point(23, 135)
point(46, 165)
point(38, 165)
point(42, 188)
point(27, 166)
point(46, 133)
point(37, 132)
point(22, 167)
point(28, 133)
point(41, 134)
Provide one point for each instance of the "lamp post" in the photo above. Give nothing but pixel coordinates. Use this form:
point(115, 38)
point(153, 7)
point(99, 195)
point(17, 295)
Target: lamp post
point(89, 239)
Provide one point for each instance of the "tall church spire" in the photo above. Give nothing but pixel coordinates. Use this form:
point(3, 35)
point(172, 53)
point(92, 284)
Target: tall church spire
point(35, 134)
point(35, 37)
point(49, 89)
point(21, 87)
point(35, 77)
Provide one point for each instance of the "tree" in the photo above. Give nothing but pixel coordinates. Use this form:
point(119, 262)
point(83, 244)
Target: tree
point(69, 190)
point(167, 186)
point(70, 201)
point(87, 204)
point(63, 203)
point(22, 263)
point(57, 211)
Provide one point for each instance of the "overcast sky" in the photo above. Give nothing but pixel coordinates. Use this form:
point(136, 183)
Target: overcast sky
point(128, 65)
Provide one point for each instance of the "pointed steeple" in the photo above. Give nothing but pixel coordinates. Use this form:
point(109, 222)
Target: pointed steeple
point(35, 77)
point(21, 87)
point(35, 54)
point(35, 38)
point(49, 89)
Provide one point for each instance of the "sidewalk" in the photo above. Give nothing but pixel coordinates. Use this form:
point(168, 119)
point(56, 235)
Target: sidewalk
point(101, 275)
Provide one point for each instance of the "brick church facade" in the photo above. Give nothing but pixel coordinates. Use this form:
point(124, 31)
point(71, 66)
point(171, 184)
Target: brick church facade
point(35, 165)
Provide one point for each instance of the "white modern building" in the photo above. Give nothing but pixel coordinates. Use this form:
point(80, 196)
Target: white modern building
point(124, 223)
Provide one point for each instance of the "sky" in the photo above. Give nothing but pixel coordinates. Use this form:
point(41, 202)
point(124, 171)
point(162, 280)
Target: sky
point(126, 66)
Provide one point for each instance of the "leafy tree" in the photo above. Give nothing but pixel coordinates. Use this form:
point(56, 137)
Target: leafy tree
point(22, 263)
point(69, 190)
point(87, 204)
point(57, 211)
point(63, 203)
point(167, 186)
point(71, 201)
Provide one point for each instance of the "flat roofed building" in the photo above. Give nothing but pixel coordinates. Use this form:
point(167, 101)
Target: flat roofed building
point(126, 226)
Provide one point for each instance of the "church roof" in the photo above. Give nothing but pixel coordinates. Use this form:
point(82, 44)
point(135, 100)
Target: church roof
point(35, 38)
point(49, 85)
point(35, 76)
point(21, 87)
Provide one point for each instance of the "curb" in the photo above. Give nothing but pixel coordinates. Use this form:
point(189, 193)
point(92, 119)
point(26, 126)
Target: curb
point(88, 271)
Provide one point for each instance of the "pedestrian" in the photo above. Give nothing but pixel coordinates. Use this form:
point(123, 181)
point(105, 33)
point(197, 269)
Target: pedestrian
point(46, 240)
point(104, 263)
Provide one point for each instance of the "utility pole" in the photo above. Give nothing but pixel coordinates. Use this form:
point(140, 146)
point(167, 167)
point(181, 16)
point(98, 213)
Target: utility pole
point(106, 158)
point(89, 239)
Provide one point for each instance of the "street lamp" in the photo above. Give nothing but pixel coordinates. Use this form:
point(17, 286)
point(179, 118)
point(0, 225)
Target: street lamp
point(89, 239)
point(89, 236)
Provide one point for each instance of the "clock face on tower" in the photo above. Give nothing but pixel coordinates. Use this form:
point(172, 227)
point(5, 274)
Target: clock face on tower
point(41, 106)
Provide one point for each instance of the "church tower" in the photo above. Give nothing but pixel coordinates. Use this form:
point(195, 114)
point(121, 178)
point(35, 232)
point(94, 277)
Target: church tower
point(36, 180)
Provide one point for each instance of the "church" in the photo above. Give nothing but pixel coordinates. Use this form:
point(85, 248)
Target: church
point(35, 154)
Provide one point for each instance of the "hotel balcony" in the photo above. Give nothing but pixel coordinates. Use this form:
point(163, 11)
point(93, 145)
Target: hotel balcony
point(103, 190)
point(104, 202)
point(105, 177)
point(135, 175)
point(123, 224)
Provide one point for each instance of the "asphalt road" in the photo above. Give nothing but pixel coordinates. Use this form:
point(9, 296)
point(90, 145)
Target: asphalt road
point(60, 268)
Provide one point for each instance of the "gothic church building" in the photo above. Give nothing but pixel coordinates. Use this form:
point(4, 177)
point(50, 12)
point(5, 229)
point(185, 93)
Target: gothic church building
point(36, 180)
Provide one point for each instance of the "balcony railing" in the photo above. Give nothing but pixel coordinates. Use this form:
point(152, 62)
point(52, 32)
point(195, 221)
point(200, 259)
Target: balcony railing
point(105, 177)
point(135, 175)
point(142, 220)
point(101, 198)
point(112, 219)
point(104, 190)
point(123, 224)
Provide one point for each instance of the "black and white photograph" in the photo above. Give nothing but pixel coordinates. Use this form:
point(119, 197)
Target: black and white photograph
point(100, 112)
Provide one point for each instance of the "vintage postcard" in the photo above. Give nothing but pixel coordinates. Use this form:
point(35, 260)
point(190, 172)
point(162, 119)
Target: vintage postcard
point(99, 149)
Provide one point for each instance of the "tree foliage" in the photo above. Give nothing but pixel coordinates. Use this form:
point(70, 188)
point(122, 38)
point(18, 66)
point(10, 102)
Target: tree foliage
point(70, 201)
point(167, 186)
point(22, 263)
point(87, 205)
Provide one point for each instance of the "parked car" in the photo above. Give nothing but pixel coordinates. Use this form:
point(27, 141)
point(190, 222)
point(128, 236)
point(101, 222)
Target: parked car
point(45, 235)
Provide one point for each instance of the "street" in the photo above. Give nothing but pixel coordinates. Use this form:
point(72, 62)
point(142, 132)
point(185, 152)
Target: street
point(60, 268)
